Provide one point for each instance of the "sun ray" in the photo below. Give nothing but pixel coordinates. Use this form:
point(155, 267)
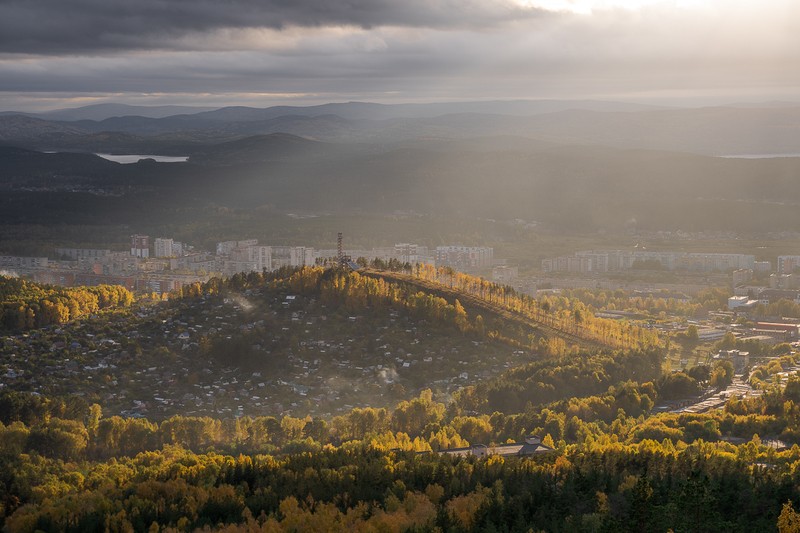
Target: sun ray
point(586, 7)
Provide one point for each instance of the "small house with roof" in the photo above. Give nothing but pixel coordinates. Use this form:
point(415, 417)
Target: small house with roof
point(531, 446)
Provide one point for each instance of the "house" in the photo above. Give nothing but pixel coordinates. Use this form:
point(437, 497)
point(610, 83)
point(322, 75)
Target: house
point(741, 303)
point(738, 358)
point(532, 446)
point(770, 296)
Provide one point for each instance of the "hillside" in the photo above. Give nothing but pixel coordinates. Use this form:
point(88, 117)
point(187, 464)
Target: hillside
point(261, 149)
point(261, 347)
point(23, 129)
point(292, 340)
point(501, 179)
point(261, 352)
point(26, 166)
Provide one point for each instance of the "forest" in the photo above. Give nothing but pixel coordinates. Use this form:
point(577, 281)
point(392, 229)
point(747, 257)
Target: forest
point(618, 463)
point(25, 305)
point(67, 468)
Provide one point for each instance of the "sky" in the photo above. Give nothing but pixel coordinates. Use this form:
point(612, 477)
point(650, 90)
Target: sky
point(69, 53)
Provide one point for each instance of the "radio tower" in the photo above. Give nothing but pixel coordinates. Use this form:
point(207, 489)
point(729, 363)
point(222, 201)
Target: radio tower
point(344, 260)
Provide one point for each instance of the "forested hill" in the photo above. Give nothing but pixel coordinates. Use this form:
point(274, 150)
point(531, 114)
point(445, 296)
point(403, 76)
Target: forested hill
point(25, 305)
point(441, 294)
point(504, 303)
point(495, 178)
point(218, 385)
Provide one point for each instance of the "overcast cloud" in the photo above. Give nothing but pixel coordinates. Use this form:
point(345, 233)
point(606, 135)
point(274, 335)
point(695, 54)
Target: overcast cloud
point(62, 27)
point(55, 53)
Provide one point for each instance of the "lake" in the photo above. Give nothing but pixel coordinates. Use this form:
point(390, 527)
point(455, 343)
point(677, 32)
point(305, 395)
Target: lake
point(759, 156)
point(133, 158)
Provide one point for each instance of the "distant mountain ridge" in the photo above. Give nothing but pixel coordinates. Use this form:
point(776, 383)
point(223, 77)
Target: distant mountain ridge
point(374, 111)
point(104, 111)
point(348, 110)
point(712, 130)
point(260, 148)
point(25, 128)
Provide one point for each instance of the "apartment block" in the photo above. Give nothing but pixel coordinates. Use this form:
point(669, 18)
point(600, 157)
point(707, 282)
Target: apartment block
point(618, 260)
point(76, 254)
point(162, 247)
point(788, 263)
point(140, 246)
point(11, 261)
point(464, 257)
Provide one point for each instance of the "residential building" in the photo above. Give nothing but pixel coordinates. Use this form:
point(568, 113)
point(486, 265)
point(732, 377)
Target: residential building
point(140, 246)
point(505, 274)
point(618, 260)
point(740, 303)
point(292, 256)
point(199, 263)
point(178, 249)
point(162, 247)
point(769, 296)
point(76, 254)
point(412, 253)
point(464, 257)
point(788, 263)
point(531, 446)
point(710, 334)
point(232, 266)
point(11, 261)
point(115, 263)
point(762, 267)
point(226, 247)
point(791, 330)
point(261, 256)
point(739, 359)
point(784, 281)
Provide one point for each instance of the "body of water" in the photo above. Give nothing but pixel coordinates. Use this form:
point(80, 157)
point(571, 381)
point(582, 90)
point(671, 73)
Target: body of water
point(759, 156)
point(133, 158)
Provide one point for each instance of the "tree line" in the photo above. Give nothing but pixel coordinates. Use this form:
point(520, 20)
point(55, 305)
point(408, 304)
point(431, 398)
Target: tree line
point(574, 318)
point(26, 305)
point(599, 485)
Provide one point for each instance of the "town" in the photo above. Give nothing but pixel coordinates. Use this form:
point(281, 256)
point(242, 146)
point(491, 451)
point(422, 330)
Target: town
point(168, 265)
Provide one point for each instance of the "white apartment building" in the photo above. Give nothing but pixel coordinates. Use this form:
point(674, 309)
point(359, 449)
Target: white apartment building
point(464, 256)
point(226, 247)
point(162, 247)
point(260, 256)
point(11, 261)
point(616, 260)
point(788, 263)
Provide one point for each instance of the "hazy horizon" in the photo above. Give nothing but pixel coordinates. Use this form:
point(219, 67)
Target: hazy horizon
point(193, 106)
point(679, 53)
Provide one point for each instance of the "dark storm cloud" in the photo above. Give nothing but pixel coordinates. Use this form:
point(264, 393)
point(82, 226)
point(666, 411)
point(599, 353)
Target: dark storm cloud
point(386, 49)
point(80, 26)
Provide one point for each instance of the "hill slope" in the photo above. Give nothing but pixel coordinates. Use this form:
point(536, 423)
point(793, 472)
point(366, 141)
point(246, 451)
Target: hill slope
point(573, 188)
